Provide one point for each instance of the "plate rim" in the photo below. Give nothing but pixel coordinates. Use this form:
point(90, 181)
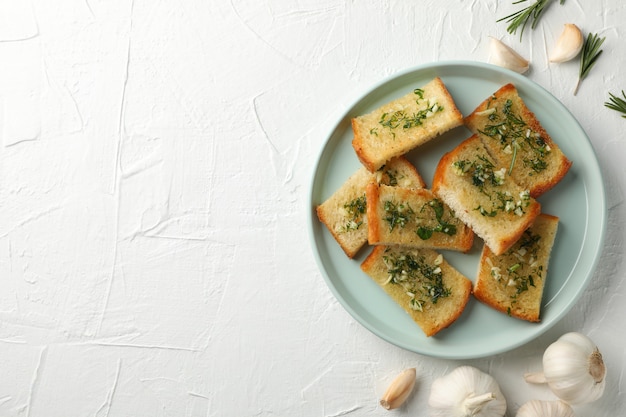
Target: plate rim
point(312, 219)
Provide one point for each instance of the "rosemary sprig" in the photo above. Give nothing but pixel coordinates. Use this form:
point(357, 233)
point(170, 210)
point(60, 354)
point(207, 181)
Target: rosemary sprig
point(523, 16)
point(617, 104)
point(588, 57)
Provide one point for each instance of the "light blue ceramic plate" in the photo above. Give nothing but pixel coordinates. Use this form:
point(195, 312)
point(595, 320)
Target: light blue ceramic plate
point(578, 200)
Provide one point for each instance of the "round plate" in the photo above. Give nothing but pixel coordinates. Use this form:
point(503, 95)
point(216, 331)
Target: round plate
point(578, 200)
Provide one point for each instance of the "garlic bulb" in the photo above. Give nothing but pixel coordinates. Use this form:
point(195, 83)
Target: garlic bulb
point(503, 56)
point(399, 390)
point(537, 408)
point(573, 369)
point(465, 392)
point(568, 45)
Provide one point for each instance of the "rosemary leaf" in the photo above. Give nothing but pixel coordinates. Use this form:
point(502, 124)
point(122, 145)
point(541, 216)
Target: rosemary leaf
point(588, 57)
point(617, 104)
point(520, 19)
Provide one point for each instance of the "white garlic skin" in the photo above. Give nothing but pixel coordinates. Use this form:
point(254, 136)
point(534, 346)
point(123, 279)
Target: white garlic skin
point(504, 56)
point(568, 45)
point(538, 408)
point(464, 392)
point(574, 370)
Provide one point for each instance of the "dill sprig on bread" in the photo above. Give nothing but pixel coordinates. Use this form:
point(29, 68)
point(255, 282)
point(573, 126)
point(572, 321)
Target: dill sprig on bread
point(428, 288)
point(403, 124)
point(481, 194)
point(513, 282)
point(517, 141)
point(344, 213)
point(413, 217)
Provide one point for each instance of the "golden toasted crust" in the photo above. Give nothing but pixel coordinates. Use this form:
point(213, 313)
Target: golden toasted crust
point(343, 213)
point(433, 317)
point(489, 210)
point(403, 124)
point(504, 122)
point(421, 228)
point(513, 282)
point(374, 229)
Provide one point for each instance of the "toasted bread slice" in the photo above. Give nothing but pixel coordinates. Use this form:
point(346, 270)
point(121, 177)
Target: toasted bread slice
point(513, 282)
point(413, 217)
point(399, 172)
point(481, 194)
point(516, 140)
point(344, 212)
point(403, 124)
point(431, 291)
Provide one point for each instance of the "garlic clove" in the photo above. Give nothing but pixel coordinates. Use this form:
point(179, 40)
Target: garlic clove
point(535, 378)
point(399, 390)
point(568, 45)
point(504, 56)
point(538, 408)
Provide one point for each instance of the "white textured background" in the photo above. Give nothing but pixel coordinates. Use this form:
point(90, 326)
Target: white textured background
point(155, 161)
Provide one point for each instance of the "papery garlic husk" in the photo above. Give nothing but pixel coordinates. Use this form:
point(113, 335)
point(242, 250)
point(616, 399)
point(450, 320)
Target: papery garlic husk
point(568, 45)
point(465, 392)
point(399, 390)
point(573, 369)
point(538, 408)
point(504, 56)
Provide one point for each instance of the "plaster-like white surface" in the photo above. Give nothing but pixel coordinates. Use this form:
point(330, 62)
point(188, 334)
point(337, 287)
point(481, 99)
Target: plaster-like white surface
point(155, 158)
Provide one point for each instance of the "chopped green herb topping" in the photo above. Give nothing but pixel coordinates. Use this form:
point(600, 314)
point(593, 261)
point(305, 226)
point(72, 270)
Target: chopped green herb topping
point(355, 211)
point(422, 281)
point(505, 202)
point(393, 177)
point(513, 135)
point(482, 171)
point(398, 214)
point(520, 268)
point(402, 119)
point(483, 174)
point(442, 226)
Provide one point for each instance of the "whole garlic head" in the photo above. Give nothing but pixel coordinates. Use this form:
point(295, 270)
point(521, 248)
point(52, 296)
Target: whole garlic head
point(537, 408)
point(573, 369)
point(504, 56)
point(568, 45)
point(466, 392)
